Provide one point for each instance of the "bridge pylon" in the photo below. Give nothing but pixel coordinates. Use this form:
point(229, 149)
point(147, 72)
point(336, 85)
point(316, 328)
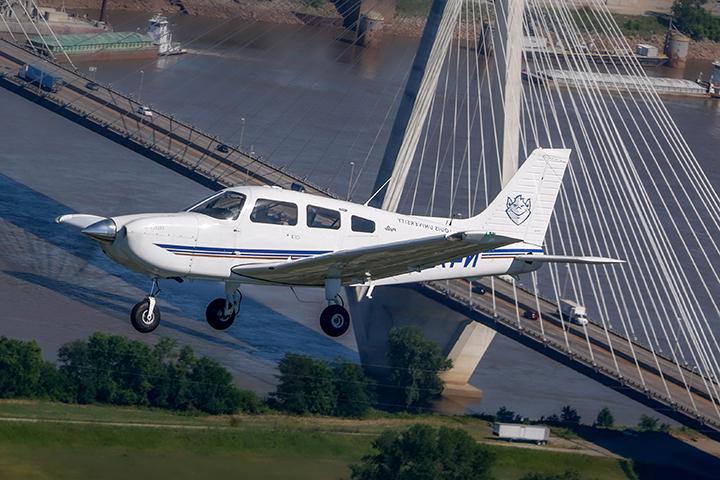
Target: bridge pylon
point(465, 342)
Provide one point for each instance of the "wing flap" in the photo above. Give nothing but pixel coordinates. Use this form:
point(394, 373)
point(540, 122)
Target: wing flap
point(375, 261)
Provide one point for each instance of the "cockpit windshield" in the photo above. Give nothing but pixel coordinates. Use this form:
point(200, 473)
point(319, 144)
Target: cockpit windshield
point(225, 206)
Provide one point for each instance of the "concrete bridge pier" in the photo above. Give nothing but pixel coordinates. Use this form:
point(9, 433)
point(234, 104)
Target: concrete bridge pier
point(352, 11)
point(462, 340)
point(369, 30)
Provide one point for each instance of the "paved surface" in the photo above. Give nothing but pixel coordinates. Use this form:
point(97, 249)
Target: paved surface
point(605, 356)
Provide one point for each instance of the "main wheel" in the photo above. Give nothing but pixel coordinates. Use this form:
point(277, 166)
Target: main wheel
point(142, 319)
point(215, 315)
point(334, 320)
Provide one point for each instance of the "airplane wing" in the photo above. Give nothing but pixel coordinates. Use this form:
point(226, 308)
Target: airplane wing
point(569, 259)
point(358, 265)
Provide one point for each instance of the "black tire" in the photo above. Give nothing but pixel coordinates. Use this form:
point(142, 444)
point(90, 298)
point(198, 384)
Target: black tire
point(334, 320)
point(214, 315)
point(139, 314)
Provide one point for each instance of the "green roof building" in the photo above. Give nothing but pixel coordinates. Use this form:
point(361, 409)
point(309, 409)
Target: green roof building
point(97, 45)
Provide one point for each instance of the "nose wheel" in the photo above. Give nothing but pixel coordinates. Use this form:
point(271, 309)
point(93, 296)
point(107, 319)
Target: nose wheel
point(145, 315)
point(334, 320)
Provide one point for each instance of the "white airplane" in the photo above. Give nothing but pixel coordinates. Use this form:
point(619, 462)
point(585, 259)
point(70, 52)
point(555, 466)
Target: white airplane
point(272, 236)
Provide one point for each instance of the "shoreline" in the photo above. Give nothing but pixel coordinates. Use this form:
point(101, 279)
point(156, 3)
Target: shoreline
point(296, 12)
point(285, 12)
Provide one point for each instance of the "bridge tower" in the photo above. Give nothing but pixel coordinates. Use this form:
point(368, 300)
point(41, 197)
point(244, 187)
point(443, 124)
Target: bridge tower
point(464, 341)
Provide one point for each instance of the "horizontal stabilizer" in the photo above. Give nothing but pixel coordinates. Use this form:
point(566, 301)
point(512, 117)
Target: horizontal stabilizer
point(569, 259)
point(78, 220)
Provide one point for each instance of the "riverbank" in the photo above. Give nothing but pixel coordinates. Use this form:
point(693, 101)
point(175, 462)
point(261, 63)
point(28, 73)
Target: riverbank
point(409, 20)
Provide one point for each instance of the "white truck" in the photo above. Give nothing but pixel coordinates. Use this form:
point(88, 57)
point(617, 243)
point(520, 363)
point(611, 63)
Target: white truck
point(573, 312)
point(525, 433)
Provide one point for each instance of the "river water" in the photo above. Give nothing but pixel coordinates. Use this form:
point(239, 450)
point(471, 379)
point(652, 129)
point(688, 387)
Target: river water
point(300, 97)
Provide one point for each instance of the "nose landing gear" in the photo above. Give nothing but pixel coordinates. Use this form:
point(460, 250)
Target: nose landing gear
point(221, 312)
point(334, 319)
point(145, 315)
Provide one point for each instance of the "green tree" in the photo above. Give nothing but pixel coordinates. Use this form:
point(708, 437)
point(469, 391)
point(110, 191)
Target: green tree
point(569, 416)
point(415, 363)
point(648, 423)
point(605, 418)
point(505, 415)
point(108, 369)
point(652, 424)
point(21, 368)
point(211, 388)
point(306, 385)
point(352, 389)
point(51, 384)
point(113, 369)
point(424, 453)
point(691, 18)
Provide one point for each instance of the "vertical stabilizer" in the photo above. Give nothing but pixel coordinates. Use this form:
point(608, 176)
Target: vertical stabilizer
point(524, 207)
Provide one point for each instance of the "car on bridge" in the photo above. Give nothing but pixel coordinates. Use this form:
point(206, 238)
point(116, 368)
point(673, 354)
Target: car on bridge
point(531, 314)
point(144, 111)
point(478, 288)
point(223, 148)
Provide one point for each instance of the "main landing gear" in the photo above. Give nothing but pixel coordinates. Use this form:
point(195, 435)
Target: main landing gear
point(334, 319)
point(145, 315)
point(221, 312)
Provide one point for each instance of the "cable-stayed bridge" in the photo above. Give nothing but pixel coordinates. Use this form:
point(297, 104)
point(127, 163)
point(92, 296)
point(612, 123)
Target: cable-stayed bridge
point(634, 190)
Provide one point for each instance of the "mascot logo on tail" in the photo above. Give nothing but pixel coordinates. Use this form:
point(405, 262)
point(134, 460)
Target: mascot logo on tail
point(518, 209)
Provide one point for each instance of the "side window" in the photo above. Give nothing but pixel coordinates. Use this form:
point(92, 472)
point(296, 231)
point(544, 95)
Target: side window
point(318, 217)
point(274, 212)
point(360, 224)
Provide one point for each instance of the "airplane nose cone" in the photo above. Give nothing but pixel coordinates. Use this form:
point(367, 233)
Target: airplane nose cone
point(104, 230)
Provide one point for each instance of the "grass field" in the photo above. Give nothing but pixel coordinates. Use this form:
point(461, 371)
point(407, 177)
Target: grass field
point(160, 445)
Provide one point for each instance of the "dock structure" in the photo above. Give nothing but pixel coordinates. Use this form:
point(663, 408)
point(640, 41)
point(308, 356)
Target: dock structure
point(614, 82)
point(625, 365)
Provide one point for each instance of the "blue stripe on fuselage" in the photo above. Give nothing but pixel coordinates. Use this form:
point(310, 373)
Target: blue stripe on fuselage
point(219, 250)
point(468, 261)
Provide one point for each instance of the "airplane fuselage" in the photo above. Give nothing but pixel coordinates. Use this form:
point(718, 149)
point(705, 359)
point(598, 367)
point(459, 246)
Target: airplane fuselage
point(201, 244)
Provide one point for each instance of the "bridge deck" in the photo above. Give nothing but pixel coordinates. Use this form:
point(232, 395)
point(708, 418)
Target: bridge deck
point(159, 136)
point(625, 365)
point(609, 358)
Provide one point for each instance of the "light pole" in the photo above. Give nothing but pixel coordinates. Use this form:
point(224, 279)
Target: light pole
point(352, 171)
point(142, 77)
point(242, 132)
